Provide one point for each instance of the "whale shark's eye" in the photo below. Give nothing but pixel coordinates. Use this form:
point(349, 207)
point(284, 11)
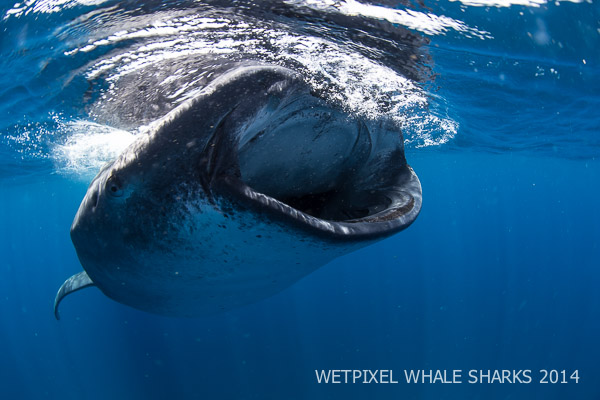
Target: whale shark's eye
point(114, 187)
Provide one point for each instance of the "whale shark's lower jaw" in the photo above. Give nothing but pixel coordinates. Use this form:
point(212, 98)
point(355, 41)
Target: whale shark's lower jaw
point(399, 206)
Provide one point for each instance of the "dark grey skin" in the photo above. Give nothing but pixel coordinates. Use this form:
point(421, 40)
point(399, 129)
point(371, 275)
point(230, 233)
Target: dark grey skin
point(238, 193)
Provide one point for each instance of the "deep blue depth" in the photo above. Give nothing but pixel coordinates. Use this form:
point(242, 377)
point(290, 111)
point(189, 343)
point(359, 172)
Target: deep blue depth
point(500, 270)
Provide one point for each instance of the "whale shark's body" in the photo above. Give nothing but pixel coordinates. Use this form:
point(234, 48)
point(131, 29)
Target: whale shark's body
point(238, 193)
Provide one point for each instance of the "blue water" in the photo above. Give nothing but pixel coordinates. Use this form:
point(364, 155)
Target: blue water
point(499, 271)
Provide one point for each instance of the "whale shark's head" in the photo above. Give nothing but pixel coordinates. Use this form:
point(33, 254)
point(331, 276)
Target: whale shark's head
point(255, 150)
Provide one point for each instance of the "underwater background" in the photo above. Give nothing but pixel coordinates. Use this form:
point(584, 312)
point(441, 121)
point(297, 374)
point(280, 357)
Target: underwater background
point(499, 106)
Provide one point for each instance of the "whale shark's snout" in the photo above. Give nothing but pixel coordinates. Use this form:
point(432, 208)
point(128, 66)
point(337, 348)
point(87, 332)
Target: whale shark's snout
point(236, 194)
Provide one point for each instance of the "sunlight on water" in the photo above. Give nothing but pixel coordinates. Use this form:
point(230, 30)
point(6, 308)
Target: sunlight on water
point(444, 76)
point(339, 72)
point(427, 23)
point(48, 6)
point(360, 82)
point(508, 3)
point(343, 72)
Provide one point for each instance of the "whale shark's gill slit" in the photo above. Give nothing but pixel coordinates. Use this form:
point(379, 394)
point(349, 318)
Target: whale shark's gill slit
point(215, 155)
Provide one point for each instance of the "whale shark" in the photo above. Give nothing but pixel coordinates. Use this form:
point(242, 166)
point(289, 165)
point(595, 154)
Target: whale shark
point(237, 193)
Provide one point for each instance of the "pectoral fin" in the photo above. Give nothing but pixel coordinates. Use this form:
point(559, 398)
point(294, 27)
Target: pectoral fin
point(73, 284)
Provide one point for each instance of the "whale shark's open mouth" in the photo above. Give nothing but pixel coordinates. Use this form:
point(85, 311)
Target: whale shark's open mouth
point(324, 163)
point(310, 158)
point(326, 169)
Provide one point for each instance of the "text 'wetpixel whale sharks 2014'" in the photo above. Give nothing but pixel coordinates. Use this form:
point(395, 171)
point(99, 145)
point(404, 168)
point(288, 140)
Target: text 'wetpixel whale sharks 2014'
point(253, 181)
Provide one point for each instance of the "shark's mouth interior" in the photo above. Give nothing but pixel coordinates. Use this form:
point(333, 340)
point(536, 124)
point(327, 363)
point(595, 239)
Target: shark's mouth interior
point(326, 164)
